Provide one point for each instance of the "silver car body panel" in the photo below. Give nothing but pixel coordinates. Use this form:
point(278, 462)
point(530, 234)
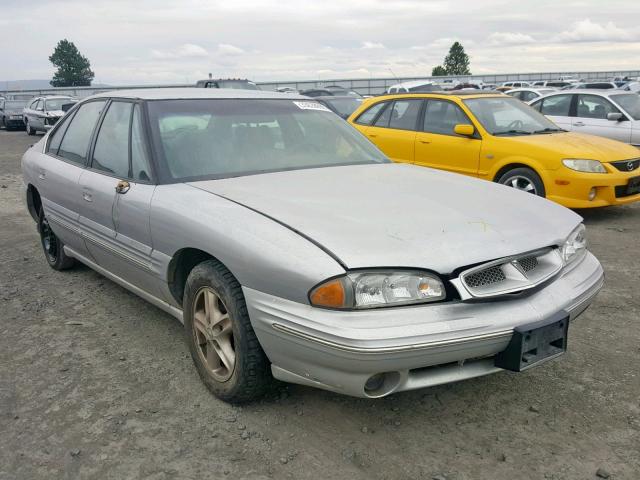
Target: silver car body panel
point(282, 233)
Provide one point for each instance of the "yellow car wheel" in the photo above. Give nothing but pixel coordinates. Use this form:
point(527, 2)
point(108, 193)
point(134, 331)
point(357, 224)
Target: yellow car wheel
point(524, 179)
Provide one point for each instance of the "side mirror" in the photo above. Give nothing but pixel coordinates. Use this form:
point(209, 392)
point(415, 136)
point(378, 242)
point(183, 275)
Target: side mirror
point(464, 129)
point(614, 116)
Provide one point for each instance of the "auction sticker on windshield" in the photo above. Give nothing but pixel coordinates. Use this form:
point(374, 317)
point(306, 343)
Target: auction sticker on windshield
point(311, 106)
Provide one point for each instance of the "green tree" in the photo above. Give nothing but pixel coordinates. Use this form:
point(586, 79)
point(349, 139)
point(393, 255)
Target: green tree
point(457, 61)
point(439, 71)
point(74, 69)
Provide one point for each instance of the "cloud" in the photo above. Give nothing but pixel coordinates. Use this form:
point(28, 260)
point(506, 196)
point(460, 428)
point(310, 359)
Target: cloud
point(366, 45)
point(226, 49)
point(187, 50)
point(509, 38)
point(588, 31)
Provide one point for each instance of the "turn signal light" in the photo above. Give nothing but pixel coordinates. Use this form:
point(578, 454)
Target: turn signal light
point(330, 294)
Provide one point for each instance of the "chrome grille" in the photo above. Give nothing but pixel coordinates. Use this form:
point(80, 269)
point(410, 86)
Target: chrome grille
point(509, 275)
point(485, 277)
point(627, 165)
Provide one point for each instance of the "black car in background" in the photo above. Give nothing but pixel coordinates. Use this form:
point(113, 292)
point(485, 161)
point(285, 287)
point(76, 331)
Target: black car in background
point(11, 114)
point(343, 105)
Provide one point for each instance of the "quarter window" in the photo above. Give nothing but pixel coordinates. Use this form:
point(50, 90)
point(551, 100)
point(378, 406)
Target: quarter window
point(111, 154)
point(57, 135)
point(441, 117)
point(75, 143)
point(593, 106)
point(383, 119)
point(404, 114)
point(367, 116)
point(558, 105)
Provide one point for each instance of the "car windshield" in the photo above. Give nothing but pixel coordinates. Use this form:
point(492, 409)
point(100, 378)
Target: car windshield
point(209, 139)
point(344, 106)
point(630, 102)
point(509, 116)
point(14, 104)
point(56, 103)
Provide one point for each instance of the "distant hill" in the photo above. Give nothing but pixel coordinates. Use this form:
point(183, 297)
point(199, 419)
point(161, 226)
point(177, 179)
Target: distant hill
point(31, 84)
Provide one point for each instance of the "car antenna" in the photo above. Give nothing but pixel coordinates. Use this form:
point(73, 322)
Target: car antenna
point(394, 75)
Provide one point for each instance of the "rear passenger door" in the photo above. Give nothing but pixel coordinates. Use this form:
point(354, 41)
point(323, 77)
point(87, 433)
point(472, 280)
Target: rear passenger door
point(557, 108)
point(116, 190)
point(591, 117)
point(59, 172)
point(394, 129)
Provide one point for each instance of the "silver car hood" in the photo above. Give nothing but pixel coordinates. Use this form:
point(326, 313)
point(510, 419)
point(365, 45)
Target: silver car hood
point(402, 215)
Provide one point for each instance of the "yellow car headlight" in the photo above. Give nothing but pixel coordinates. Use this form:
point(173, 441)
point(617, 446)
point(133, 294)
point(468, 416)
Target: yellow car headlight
point(583, 165)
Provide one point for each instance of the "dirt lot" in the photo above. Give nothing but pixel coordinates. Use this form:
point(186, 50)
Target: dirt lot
point(96, 383)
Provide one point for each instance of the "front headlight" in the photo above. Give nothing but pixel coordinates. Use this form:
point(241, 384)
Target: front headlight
point(371, 289)
point(581, 165)
point(575, 246)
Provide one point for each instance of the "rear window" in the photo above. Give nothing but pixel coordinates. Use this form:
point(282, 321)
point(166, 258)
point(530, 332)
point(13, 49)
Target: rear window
point(209, 139)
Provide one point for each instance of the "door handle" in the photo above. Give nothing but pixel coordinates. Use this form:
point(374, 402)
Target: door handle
point(425, 141)
point(373, 135)
point(122, 187)
point(42, 174)
point(87, 197)
point(578, 124)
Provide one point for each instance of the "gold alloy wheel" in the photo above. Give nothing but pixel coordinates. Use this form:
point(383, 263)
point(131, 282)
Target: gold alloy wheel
point(213, 333)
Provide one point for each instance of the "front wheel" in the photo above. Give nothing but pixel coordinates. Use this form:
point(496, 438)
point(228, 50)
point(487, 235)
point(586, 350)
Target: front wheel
point(223, 345)
point(52, 246)
point(524, 179)
point(30, 131)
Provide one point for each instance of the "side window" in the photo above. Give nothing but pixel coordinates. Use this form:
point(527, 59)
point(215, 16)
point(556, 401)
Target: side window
point(558, 105)
point(75, 142)
point(367, 116)
point(385, 116)
point(33, 104)
point(40, 105)
point(527, 96)
point(139, 160)
point(404, 114)
point(593, 106)
point(442, 116)
point(111, 153)
point(56, 137)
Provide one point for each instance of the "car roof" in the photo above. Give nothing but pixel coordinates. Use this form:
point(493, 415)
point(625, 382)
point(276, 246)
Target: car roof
point(193, 93)
point(444, 94)
point(593, 91)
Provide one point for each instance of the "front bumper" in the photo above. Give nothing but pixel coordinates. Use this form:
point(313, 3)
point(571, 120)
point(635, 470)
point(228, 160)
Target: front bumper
point(14, 122)
point(575, 194)
point(414, 347)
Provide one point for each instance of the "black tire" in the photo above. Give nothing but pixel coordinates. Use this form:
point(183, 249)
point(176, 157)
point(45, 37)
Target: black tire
point(250, 377)
point(30, 131)
point(52, 246)
point(525, 178)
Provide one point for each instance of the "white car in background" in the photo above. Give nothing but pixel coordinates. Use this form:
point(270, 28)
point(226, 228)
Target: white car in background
point(515, 84)
point(609, 113)
point(42, 113)
point(529, 94)
point(414, 86)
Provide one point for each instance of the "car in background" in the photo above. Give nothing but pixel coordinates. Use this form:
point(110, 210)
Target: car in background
point(504, 86)
point(286, 90)
point(291, 247)
point(551, 84)
point(42, 113)
point(529, 94)
point(631, 86)
point(610, 113)
point(233, 83)
point(414, 86)
point(343, 106)
point(11, 114)
point(499, 138)
point(596, 84)
point(330, 90)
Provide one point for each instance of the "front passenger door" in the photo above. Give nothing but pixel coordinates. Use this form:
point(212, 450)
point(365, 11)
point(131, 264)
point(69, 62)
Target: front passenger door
point(117, 192)
point(438, 146)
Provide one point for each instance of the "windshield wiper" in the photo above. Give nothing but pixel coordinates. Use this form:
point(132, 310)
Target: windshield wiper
point(548, 130)
point(513, 132)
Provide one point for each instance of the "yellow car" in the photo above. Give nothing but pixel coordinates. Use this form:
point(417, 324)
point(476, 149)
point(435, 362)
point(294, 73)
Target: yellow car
point(499, 138)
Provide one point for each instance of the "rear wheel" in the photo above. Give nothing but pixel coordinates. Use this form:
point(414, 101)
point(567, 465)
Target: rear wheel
point(223, 345)
point(524, 179)
point(52, 246)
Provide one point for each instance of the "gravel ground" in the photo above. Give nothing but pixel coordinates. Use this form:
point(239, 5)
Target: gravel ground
point(97, 383)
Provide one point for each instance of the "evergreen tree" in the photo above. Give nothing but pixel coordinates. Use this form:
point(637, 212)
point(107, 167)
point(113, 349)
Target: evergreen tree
point(457, 61)
point(74, 69)
point(438, 71)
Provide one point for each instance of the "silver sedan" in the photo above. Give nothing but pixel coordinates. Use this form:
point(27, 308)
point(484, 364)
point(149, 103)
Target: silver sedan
point(42, 113)
point(290, 247)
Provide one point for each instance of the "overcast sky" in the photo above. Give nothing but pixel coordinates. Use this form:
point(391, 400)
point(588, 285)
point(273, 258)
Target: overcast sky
point(177, 41)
